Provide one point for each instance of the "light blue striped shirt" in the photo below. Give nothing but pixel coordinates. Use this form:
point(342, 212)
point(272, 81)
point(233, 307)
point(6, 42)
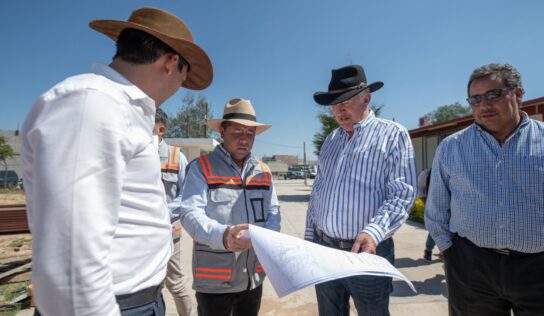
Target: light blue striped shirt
point(363, 184)
point(492, 195)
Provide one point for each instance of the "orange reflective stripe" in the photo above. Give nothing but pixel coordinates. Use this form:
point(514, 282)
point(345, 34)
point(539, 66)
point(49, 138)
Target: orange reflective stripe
point(228, 273)
point(213, 270)
point(204, 168)
point(259, 268)
point(209, 165)
point(210, 276)
point(173, 161)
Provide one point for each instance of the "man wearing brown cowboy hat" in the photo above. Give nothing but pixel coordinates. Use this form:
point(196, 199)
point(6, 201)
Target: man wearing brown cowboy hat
point(364, 187)
point(225, 191)
point(95, 201)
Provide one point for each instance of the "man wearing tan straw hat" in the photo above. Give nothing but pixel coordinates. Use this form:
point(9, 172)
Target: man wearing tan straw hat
point(225, 191)
point(96, 204)
point(364, 187)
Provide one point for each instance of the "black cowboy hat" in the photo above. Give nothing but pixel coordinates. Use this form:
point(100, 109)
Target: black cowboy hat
point(346, 82)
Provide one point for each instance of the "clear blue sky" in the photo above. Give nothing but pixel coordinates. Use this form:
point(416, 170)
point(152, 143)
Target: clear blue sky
point(278, 53)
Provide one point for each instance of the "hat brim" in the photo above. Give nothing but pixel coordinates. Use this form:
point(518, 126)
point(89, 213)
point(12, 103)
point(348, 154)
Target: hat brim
point(215, 124)
point(201, 74)
point(326, 98)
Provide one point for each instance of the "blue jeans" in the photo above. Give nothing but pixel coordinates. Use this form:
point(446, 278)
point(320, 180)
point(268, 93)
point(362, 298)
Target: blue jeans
point(429, 243)
point(155, 308)
point(370, 293)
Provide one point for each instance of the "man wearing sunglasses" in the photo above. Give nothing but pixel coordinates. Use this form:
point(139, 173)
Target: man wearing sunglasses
point(485, 208)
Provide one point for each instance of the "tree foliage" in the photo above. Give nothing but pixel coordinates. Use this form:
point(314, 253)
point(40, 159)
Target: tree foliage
point(329, 124)
point(190, 120)
point(6, 152)
point(449, 111)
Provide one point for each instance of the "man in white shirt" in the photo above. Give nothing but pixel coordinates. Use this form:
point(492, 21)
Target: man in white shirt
point(95, 201)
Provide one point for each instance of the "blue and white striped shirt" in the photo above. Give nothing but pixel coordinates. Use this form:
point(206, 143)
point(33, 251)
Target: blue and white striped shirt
point(363, 184)
point(492, 195)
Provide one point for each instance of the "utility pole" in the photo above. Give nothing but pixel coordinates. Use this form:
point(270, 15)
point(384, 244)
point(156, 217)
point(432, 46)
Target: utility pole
point(205, 121)
point(305, 173)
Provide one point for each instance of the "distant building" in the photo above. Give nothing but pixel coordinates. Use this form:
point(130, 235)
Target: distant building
point(14, 140)
point(193, 147)
point(290, 160)
point(425, 139)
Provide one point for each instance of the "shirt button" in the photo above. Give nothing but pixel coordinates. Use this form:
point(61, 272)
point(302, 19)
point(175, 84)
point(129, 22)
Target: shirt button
point(501, 226)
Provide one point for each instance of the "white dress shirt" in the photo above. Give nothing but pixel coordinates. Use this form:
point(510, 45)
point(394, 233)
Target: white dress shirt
point(95, 201)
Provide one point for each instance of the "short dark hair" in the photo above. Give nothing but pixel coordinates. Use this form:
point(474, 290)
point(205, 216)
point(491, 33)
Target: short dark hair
point(139, 47)
point(509, 75)
point(161, 117)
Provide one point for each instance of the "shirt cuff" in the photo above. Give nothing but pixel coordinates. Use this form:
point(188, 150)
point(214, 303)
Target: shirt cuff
point(217, 240)
point(375, 231)
point(309, 233)
point(443, 242)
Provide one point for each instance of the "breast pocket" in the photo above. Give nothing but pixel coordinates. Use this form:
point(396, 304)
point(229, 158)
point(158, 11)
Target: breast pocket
point(220, 202)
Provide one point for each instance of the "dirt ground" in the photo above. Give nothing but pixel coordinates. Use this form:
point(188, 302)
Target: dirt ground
point(14, 245)
point(8, 197)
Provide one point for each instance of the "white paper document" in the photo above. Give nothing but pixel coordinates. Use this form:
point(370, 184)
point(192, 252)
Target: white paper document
point(292, 263)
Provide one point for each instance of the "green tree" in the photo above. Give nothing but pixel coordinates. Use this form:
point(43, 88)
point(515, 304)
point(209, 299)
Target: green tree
point(6, 152)
point(329, 124)
point(449, 111)
point(190, 120)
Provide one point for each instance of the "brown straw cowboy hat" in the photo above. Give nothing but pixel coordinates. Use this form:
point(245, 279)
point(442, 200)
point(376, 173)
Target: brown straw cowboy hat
point(239, 111)
point(172, 31)
point(346, 82)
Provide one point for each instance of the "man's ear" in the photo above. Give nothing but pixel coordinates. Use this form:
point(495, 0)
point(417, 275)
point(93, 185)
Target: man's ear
point(367, 97)
point(161, 130)
point(171, 62)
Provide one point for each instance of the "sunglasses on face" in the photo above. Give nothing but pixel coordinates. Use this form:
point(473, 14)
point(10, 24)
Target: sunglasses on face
point(490, 95)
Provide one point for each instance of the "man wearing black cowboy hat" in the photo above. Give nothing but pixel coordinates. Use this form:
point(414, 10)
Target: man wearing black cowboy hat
point(95, 201)
point(364, 187)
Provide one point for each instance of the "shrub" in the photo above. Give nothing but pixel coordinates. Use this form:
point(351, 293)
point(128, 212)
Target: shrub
point(417, 212)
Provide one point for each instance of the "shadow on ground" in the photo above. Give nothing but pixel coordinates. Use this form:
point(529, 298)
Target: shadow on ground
point(432, 286)
point(410, 262)
point(294, 198)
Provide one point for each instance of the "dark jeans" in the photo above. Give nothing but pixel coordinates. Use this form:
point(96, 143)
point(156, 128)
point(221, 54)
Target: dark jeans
point(246, 303)
point(370, 293)
point(155, 308)
point(482, 282)
point(429, 243)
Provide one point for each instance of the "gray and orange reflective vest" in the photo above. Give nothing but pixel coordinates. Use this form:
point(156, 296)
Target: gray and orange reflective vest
point(170, 168)
point(231, 200)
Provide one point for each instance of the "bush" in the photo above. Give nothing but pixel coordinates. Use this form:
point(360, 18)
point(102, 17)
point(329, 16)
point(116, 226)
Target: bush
point(417, 212)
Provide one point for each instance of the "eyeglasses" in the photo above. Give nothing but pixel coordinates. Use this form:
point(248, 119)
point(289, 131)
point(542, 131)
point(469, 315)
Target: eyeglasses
point(490, 95)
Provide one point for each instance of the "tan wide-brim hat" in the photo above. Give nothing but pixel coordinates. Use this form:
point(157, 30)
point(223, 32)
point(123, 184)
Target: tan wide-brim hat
point(172, 31)
point(239, 111)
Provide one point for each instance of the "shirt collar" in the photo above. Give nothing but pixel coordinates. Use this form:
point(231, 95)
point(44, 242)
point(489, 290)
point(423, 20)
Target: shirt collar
point(130, 89)
point(363, 123)
point(523, 123)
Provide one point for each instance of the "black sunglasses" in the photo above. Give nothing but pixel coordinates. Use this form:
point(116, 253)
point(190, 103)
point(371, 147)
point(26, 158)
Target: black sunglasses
point(490, 95)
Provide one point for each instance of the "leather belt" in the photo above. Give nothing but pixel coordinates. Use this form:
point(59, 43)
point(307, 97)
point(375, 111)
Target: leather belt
point(336, 243)
point(513, 253)
point(140, 298)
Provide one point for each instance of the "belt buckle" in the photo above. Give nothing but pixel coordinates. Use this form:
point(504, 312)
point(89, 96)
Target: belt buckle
point(345, 244)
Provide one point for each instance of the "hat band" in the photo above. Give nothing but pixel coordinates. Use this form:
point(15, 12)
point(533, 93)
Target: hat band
point(361, 85)
point(242, 116)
